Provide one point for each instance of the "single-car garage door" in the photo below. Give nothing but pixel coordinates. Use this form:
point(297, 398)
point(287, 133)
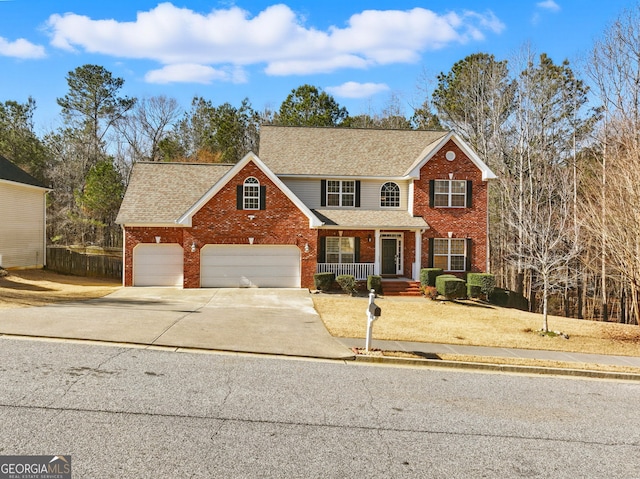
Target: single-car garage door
point(266, 266)
point(157, 265)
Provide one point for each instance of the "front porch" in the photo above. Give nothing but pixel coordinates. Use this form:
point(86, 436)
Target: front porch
point(364, 253)
point(391, 286)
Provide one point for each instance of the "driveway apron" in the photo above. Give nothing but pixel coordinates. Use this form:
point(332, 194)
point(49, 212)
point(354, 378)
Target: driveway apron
point(269, 321)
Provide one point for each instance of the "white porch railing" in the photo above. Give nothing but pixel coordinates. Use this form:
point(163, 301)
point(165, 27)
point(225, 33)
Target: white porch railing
point(359, 271)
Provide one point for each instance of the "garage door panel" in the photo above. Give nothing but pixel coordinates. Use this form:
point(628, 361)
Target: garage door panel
point(158, 265)
point(267, 266)
point(256, 261)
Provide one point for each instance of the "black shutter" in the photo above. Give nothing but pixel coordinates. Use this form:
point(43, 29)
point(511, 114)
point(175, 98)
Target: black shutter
point(239, 202)
point(468, 258)
point(469, 188)
point(356, 255)
point(322, 241)
point(432, 194)
point(430, 260)
point(263, 197)
point(357, 193)
point(323, 193)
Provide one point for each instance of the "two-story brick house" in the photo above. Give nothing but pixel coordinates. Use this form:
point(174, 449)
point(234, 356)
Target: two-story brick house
point(351, 201)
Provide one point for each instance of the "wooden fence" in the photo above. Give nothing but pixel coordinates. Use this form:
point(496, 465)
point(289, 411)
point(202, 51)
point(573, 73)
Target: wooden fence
point(63, 260)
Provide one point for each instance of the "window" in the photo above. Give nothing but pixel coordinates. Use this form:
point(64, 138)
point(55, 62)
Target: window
point(340, 250)
point(251, 194)
point(341, 193)
point(449, 254)
point(450, 193)
point(390, 195)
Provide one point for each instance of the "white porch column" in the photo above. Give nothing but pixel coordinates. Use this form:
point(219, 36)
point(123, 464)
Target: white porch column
point(377, 259)
point(418, 257)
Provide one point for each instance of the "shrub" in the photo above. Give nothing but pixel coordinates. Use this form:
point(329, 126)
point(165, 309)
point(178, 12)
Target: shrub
point(375, 283)
point(324, 281)
point(451, 287)
point(428, 276)
point(347, 282)
point(508, 299)
point(474, 291)
point(430, 292)
point(480, 285)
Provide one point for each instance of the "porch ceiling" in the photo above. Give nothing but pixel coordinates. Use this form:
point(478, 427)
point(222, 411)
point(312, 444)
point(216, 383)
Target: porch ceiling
point(370, 219)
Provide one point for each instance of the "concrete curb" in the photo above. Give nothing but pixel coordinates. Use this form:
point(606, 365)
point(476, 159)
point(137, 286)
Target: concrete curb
point(358, 358)
point(502, 368)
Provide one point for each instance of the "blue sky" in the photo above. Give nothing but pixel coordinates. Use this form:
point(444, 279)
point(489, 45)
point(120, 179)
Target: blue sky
point(361, 52)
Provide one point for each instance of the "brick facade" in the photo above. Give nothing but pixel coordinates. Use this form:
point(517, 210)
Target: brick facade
point(461, 222)
point(220, 222)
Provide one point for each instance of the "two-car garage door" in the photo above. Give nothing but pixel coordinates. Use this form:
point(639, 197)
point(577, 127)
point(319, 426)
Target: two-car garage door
point(266, 266)
point(221, 266)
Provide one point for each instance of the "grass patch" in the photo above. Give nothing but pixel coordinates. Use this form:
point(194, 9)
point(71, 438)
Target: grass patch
point(472, 323)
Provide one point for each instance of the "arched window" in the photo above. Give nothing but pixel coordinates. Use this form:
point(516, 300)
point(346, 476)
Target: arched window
point(251, 194)
point(390, 195)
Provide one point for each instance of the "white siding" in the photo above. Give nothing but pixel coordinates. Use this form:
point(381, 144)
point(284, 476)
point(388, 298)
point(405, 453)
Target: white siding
point(370, 194)
point(308, 190)
point(22, 223)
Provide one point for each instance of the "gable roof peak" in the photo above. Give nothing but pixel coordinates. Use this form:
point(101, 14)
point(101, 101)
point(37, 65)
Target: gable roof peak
point(9, 171)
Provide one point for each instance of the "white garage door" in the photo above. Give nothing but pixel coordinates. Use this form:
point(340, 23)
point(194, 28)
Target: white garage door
point(157, 265)
point(266, 266)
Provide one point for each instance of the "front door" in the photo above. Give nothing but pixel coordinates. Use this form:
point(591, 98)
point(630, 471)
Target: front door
point(389, 256)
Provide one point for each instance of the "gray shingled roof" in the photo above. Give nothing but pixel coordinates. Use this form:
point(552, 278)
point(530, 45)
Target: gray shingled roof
point(11, 172)
point(343, 151)
point(370, 219)
point(159, 193)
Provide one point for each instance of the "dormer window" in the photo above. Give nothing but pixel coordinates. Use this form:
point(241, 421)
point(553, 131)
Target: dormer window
point(390, 195)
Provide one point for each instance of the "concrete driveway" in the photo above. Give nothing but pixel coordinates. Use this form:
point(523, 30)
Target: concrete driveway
point(270, 321)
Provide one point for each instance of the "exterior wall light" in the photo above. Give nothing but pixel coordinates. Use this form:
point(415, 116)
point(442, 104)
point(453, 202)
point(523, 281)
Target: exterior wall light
point(306, 247)
point(193, 247)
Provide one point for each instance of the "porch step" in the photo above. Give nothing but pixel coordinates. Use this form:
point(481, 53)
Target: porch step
point(401, 288)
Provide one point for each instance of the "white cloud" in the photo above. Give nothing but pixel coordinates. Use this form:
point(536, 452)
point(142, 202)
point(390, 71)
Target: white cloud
point(194, 73)
point(353, 89)
point(276, 37)
point(21, 48)
point(549, 5)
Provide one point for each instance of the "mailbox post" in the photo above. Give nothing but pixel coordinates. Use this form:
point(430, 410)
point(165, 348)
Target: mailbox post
point(373, 313)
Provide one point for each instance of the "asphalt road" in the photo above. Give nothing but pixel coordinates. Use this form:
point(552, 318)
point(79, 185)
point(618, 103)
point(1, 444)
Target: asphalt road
point(138, 413)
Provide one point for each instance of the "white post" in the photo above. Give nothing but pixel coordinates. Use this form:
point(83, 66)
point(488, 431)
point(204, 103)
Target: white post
point(370, 319)
point(417, 263)
point(377, 255)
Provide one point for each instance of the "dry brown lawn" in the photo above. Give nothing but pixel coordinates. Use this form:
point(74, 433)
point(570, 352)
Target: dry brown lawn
point(472, 323)
point(23, 288)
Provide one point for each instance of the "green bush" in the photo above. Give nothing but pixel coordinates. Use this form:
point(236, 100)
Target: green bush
point(451, 287)
point(324, 281)
point(428, 276)
point(347, 282)
point(375, 283)
point(508, 299)
point(474, 291)
point(480, 285)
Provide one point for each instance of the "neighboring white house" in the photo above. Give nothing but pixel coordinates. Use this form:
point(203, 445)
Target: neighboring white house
point(22, 218)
